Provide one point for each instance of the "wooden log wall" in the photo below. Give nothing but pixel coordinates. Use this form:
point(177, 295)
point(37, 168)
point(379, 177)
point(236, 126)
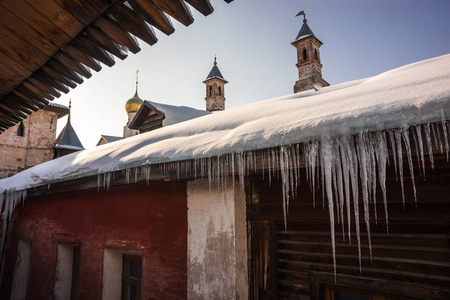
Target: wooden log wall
point(411, 262)
point(50, 46)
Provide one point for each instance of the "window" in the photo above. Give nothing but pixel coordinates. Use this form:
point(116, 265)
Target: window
point(131, 277)
point(317, 54)
point(220, 91)
point(75, 273)
point(22, 270)
point(122, 273)
point(67, 272)
point(305, 55)
point(20, 129)
point(210, 91)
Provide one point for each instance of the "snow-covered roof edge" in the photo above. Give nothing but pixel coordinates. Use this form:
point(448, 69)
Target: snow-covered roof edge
point(414, 94)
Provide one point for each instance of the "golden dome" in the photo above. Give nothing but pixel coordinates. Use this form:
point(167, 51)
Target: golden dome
point(133, 104)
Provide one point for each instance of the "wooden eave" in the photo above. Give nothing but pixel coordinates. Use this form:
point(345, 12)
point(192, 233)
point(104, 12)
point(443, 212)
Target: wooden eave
point(50, 46)
point(147, 118)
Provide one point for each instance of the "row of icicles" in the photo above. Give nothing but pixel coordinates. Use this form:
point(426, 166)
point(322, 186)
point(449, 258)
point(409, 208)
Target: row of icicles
point(345, 168)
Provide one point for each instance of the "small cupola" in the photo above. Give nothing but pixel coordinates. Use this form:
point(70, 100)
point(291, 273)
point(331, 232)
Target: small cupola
point(308, 59)
point(215, 89)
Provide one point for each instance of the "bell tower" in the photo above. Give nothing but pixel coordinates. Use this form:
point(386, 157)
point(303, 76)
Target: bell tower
point(308, 59)
point(215, 89)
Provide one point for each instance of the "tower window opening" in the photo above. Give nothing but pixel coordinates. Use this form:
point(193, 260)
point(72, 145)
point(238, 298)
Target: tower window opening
point(220, 91)
point(317, 54)
point(305, 55)
point(20, 129)
point(210, 90)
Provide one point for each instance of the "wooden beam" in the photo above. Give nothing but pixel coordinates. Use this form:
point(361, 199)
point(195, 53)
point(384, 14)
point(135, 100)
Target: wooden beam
point(47, 79)
point(151, 14)
point(79, 55)
point(30, 95)
point(36, 90)
point(63, 70)
point(10, 116)
point(44, 87)
point(116, 33)
point(177, 10)
point(18, 107)
point(83, 10)
point(58, 77)
point(128, 19)
point(97, 36)
point(203, 6)
point(74, 65)
point(93, 50)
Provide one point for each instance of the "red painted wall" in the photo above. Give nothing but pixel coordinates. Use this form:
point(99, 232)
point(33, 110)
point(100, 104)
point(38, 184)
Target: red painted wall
point(147, 218)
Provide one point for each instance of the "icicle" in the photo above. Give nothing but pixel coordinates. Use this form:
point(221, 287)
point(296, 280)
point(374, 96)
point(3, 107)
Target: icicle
point(326, 154)
point(429, 144)
point(405, 134)
point(363, 163)
point(437, 137)
point(381, 156)
point(346, 178)
point(444, 131)
point(400, 162)
point(394, 152)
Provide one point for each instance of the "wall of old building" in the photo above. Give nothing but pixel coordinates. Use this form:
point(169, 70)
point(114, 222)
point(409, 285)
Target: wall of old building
point(147, 220)
point(34, 147)
point(217, 242)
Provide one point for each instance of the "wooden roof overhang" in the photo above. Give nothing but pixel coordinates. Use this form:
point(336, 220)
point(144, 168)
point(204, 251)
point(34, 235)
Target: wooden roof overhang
point(147, 118)
point(49, 46)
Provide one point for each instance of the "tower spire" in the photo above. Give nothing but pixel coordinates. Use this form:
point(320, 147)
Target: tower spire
point(137, 81)
point(70, 106)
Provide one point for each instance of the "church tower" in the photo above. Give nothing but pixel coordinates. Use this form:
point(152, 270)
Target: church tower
point(132, 106)
point(215, 89)
point(308, 59)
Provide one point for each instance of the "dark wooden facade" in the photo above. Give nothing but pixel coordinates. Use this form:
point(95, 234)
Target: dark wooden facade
point(49, 46)
point(411, 262)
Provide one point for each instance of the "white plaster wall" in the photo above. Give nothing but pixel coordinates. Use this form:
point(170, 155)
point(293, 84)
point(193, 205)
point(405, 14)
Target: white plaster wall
point(112, 275)
point(217, 242)
point(22, 270)
point(63, 277)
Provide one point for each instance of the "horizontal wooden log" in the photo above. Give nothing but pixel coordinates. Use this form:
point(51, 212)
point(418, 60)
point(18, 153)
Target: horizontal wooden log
point(43, 77)
point(151, 14)
point(12, 74)
point(93, 50)
point(58, 77)
point(79, 55)
point(57, 66)
point(117, 33)
point(44, 87)
point(27, 95)
point(17, 106)
point(130, 21)
point(177, 9)
point(203, 6)
point(74, 65)
point(37, 91)
point(97, 36)
point(83, 10)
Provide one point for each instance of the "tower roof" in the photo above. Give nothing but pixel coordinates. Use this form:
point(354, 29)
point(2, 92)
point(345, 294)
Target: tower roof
point(305, 31)
point(215, 73)
point(68, 139)
point(133, 104)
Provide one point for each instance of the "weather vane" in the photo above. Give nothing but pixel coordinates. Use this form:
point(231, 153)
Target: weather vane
point(302, 13)
point(215, 62)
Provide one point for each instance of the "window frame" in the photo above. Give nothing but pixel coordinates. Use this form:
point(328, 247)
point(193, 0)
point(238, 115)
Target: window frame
point(130, 281)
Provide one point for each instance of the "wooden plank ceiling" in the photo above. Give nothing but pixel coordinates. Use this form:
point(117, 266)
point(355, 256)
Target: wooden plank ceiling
point(48, 47)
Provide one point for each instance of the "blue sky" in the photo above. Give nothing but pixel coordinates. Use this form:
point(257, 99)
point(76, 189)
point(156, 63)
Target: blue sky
point(251, 39)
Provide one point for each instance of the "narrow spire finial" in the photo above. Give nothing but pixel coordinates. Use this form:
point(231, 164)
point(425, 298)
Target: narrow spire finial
point(302, 13)
point(70, 106)
point(137, 80)
point(215, 60)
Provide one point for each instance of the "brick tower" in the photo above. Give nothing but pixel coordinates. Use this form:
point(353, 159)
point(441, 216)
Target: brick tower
point(308, 59)
point(215, 89)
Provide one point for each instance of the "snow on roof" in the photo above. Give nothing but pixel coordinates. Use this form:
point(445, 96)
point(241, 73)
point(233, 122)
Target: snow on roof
point(414, 94)
point(178, 114)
